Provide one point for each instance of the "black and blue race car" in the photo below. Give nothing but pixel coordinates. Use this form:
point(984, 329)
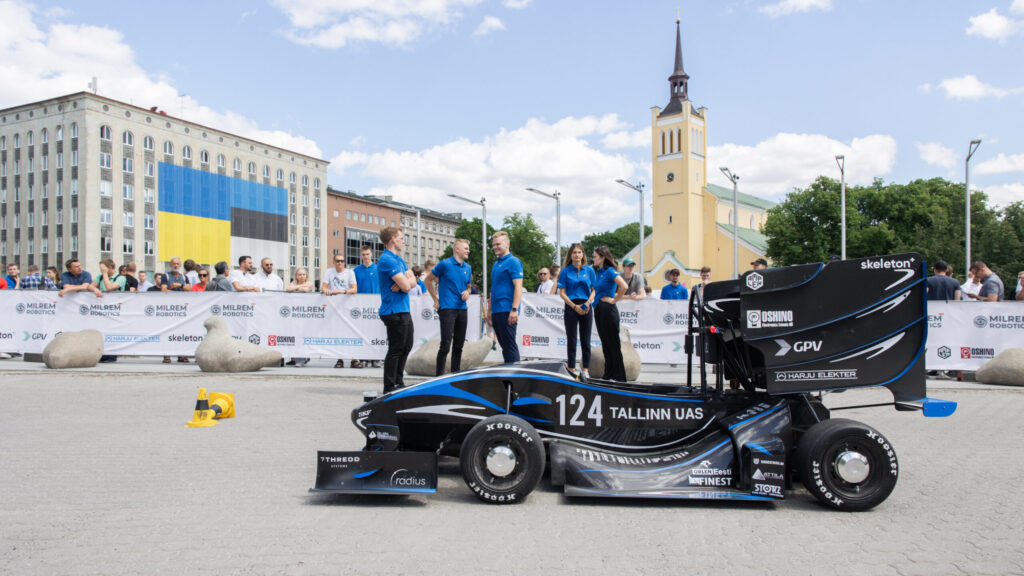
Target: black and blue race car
point(768, 346)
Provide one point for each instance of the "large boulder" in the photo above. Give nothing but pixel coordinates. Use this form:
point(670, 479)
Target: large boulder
point(630, 358)
point(423, 362)
point(74, 350)
point(1006, 368)
point(219, 352)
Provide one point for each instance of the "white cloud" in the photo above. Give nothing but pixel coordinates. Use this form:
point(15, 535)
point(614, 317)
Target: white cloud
point(1003, 194)
point(774, 167)
point(488, 25)
point(1017, 7)
point(42, 63)
point(549, 156)
point(1002, 164)
point(337, 23)
point(625, 139)
point(786, 7)
point(937, 154)
point(995, 26)
point(970, 88)
point(518, 4)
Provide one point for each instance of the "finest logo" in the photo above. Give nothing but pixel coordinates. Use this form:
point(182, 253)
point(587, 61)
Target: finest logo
point(755, 281)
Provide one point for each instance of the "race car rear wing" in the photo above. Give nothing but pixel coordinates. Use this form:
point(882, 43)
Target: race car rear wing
point(816, 327)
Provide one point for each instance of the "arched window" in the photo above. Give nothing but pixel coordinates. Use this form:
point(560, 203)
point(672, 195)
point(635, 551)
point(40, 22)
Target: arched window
point(266, 171)
point(74, 129)
point(679, 139)
point(127, 138)
point(44, 136)
point(662, 143)
point(316, 183)
point(252, 168)
point(280, 175)
point(104, 132)
point(236, 165)
point(17, 140)
point(221, 161)
point(28, 139)
point(168, 148)
point(147, 143)
point(3, 142)
point(305, 180)
point(204, 157)
point(291, 177)
point(186, 152)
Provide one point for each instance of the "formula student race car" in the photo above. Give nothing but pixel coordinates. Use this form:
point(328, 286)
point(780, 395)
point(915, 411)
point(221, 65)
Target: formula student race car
point(776, 340)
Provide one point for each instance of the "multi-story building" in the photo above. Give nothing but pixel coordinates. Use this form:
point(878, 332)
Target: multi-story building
point(356, 221)
point(87, 177)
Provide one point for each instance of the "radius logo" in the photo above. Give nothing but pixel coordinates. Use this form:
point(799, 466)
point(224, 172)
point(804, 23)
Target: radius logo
point(402, 478)
point(755, 281)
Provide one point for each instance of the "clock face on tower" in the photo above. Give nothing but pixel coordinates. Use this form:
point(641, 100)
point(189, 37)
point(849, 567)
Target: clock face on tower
point(670, 177)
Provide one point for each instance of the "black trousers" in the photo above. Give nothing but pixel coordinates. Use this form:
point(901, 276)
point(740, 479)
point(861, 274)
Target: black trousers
point(506, 334)
point(583, 324)
point(453, 327)
point(607, 318)
point(400, 341)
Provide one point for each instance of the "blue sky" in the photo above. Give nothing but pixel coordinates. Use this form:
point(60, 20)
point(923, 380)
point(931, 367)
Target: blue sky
point(487, 97)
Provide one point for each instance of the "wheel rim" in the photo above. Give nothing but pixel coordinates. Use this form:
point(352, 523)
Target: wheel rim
point(852, 467)
point(499, 453)
point(500, 461)
point(852, 470)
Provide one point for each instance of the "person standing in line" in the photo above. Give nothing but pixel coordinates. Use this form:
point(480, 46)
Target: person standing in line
point(674, 290)
point(576, 284)
point(1018, 293)
point(13, 277)
point(204, 280)
point(634, 282)
point(544, 281)
point(338, 280)
point(366, 279)
point(191, 272)
point(242, 278)
point(555, 270)
point(506, 294)
point(54, 275)
point(609, 289)
point(76, 280)
point(992, 289)
point(175, 280)
point(395, 280)
point(109, 281)
point(941, 286)
point(266, 279)
point(759, 264)
point(36, 281)
point(301, 283)
point(969, 289)
point(450, 293)
point(420, 287)
point(131, 283)
point(221, 282)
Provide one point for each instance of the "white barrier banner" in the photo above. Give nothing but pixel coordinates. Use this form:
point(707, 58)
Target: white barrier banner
point(965, 335)
point(171, 323)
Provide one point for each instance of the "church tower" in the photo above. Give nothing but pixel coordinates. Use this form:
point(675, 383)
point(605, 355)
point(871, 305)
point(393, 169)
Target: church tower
point(679, 173)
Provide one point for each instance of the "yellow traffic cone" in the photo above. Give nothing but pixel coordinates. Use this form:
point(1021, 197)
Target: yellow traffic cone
point(203, 416)
point(222, 404)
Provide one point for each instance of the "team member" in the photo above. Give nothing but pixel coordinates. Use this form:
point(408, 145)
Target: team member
point(576, 288)
point(609, 289)
point(506, 293)
point(366, 278)
point(674, 290)
point(450, 293)
point(395, 280)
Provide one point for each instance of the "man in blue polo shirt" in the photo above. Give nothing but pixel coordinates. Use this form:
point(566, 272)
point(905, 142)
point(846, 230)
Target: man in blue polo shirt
point(506, 293)
point(366, 283)
point(675, 290)
point(395, 280)
point(450, 294)
point(76, 280)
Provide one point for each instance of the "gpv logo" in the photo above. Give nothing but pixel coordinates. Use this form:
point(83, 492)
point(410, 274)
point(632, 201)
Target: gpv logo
point(803, 346)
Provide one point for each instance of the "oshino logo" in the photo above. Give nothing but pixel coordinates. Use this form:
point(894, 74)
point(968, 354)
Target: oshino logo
point(427, 314)
point(254, 339)
point(355, 314)
point(980, 321)
point(753, 318)
point(755, 281)
point(149, 310)
point(215, 309)
point(83, 310)
point(20, 308)
point(668, 319)
point(285, 311)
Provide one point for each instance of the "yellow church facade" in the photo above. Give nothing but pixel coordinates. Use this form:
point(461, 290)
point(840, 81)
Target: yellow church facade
point(692, 219)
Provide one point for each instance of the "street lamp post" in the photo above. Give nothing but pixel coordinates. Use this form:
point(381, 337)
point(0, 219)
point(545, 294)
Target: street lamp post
point(483, 237)
point(419, 239)
point(735, 222)
point(971, 149)
point(841, 161)
point(558, 221)
point(639, 187)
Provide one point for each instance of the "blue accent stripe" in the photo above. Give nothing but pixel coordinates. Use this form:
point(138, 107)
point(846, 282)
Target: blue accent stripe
point(761, 415)
point(691, 461)
point(444, 388)
point(759, 448)
point(419, 490)
point(718, 495)
point(531, 419)
point(834, 320)
point(528, 401)
point(366, 474)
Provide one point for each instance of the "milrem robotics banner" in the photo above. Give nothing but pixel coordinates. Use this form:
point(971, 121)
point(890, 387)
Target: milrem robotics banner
point(965, 335)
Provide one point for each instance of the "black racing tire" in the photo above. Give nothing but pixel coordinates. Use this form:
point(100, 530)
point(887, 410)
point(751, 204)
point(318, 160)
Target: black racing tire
point(820, 451)
point(502, 435)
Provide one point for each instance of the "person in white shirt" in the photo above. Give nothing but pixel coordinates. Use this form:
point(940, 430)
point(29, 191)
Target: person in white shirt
point(339, 280)
point(192, 272)
point(545, 283)
point(144, 284)
point(266, 279)
point(242, 278)
point(969, 290)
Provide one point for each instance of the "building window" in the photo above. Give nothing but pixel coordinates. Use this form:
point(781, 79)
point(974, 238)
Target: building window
point(147, 195)
point(186, 152)
point(280, 175)
point(266, 171)
point(74, 129)
point(60, 159)
point(150, 247)
point(305, 220)
point(168, 148)
point(305, 199)
point(104, 160)
point(316, 241)
point(127, 138)
point(3, 142)
point(291, 178)
point(221, 161)
point(129, 246)
point(106, 188)
point(147, 221)
point(127, 165)
point(147, 143)
point(60, 133)
point(252, 168)
point(104, 132)
point(316, 261)
point(204, 157)
point(752, 223)
point(46, 189)
point(44, 246)
point(31, 219)
point(74, 158)
point(60, 244)
point(74, 187)
point(17, 140)
point(236, 165)
point(46, 163)
point(316, 202)
point(105, 217)
point(44, 136)
point(305, 241)
point(291, 239)
point(60, 215)
point(128, 191)
point(128, 219)
point(149, 169)
point(305, 260)
point(316, 222)
point(316, 183)
point(74, 243)
point(305, 180)
point(106, 244)
point(348, 214)
point(291, 260)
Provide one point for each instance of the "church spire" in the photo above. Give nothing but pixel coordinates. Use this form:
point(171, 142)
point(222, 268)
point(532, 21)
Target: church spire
point(677, 81)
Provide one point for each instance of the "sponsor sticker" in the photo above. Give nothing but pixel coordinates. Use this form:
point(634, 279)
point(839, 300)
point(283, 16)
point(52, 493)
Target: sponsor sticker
point(755, 281)
point(769, 318)
point(37, 308)
point(944, 352)
point(812, 375)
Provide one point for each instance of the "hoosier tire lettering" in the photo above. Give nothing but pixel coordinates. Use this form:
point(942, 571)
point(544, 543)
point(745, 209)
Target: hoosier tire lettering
point(502, 459)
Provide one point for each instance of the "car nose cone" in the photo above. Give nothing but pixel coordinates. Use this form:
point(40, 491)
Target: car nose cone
point(501, 461)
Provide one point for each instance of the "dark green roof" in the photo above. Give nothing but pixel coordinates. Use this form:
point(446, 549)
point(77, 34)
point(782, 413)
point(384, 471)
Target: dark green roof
point(748, 235)
point(747, 199)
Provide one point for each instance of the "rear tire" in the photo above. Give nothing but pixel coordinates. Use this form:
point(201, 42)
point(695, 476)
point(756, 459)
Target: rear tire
point(502, 459)
point(847, 465)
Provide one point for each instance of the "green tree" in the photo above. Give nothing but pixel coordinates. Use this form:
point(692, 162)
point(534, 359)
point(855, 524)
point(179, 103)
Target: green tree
point(619, 241)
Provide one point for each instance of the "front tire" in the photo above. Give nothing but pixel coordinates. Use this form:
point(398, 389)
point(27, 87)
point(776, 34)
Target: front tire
point(502, 459)
point(847, 465)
